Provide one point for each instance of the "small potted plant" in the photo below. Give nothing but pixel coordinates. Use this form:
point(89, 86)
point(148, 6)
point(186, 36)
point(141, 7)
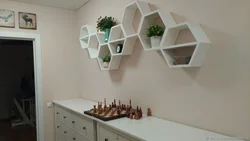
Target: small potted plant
point(105, 24)
point(155, 32)
point(106, 61)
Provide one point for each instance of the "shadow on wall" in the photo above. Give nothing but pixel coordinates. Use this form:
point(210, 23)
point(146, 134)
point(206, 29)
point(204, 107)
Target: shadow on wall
point(130, 61)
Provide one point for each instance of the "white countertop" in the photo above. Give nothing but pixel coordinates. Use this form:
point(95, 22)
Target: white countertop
point(147, 128)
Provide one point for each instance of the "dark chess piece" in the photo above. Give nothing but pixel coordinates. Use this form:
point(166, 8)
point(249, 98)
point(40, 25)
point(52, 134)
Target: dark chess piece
point(140, 113)
point(130, 106)
point(114, 103)
point(149, 113)
point(94, 109)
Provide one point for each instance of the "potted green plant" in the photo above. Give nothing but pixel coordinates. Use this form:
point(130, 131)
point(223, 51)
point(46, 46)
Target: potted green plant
point(106, 61)
point(105, 24)
point(155, 32)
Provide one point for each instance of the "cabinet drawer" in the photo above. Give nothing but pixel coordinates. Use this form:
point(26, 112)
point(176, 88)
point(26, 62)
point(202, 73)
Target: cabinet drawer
point(107, 135)
point(85, 127)
point(59, 137)
point(77, 137)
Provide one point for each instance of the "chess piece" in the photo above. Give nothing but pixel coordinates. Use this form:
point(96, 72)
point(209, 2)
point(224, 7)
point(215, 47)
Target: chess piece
point(136, 116)
point(114, 103)
point(137, 109)
point(149, 113)
point(130, 104)
point(94, 108)
point(140, 113)
point(118, 111)
point(131, 115)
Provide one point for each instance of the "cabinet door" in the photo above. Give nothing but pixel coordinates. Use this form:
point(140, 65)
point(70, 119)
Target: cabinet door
point(107, 135)
point(85, 127)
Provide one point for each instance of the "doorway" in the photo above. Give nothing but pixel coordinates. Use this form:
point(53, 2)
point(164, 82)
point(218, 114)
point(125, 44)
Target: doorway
point(26, 115)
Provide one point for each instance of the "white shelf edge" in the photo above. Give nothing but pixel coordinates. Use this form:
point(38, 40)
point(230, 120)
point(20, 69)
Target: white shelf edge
point(181, 45)
point(117, 40)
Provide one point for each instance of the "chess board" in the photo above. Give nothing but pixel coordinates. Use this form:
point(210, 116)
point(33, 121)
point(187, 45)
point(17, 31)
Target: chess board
point(106, 117)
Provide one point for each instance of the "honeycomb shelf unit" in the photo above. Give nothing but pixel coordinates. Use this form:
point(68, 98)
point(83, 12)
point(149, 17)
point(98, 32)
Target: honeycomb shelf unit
point(174, 44)
point(178, 41)
point(133, 15)
point(104, 50)
point(154, 18)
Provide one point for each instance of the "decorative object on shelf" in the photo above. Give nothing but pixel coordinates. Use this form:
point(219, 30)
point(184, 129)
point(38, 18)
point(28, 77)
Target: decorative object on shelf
point(149, 113)
point(106, 61)
point(105, 24)
point(155, 32)
point(27, 20)
point(119, 48)
point(7, 18)
point(181, 60)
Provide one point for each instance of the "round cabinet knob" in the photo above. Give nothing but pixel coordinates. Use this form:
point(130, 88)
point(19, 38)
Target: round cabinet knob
point(65, 132)
point(64, 117)
point(58, 126)
point(106, 139)
point(57, 113)
point(73, 121)
point(84, 128)
point(74, 138)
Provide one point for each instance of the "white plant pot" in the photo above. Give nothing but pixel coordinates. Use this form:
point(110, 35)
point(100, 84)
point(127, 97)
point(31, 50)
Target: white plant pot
point(155, 41)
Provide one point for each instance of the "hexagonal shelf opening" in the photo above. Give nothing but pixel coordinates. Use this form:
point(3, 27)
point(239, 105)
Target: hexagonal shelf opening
point(153, 18)
point(93, 46)
point(87, 30)
point(116, 33)
point(179, 34)
point(115, 50)
point(84, 41)
point(132, 16)
point(129, 45)
point(103, 52)
point(179, 56)
point(101, 37)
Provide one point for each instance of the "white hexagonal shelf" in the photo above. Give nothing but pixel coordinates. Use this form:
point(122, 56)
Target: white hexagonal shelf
point(93, 46)
point(185, 40)
point(132, 16)
point(84, 35)
point(116, 33)
point(154, 18)
point(84, 41)
point(104, 50)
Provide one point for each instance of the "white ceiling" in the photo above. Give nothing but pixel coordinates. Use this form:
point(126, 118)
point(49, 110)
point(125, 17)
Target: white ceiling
point(67, 4)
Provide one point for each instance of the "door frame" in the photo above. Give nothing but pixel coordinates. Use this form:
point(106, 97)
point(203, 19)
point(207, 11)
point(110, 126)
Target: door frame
point(37, 74)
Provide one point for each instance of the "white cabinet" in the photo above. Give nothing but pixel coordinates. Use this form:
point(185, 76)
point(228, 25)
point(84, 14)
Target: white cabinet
point(107, 134)
point(70, 126)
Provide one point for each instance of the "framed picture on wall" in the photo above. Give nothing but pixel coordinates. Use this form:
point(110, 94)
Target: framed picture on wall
point(27, 20)
point(7, 18)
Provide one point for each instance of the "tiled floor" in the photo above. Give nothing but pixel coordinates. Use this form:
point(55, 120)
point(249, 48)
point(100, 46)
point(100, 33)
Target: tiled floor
point(19, 133)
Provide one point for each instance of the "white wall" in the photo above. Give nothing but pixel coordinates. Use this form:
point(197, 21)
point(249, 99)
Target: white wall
point(215, 97)
point(60, 72)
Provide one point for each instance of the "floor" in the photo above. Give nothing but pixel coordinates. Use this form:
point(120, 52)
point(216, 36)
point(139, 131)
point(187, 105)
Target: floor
point(19, 133)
